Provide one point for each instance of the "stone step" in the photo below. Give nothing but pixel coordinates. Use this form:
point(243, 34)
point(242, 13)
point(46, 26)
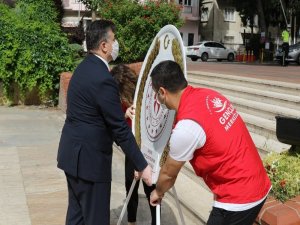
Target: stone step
point(261, 126)
point(269, 97)
point(269, 85)
point(193, 193)
point(261, 109)
point(265, 145)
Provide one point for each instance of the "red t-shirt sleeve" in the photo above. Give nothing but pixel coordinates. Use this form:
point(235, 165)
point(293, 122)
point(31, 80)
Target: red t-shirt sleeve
point(128, 120)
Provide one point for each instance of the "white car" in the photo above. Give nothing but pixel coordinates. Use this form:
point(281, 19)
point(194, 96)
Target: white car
point(210, 50)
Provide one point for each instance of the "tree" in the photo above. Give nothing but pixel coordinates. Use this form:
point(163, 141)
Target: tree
point(269, 11)
point(92, 5)
point(138, 24)
point(33, 49)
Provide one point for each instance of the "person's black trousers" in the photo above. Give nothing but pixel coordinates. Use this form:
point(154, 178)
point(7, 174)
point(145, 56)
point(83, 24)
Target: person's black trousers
point(134, 200)
point(89, 202)
point(285, 49)
point(224, 217)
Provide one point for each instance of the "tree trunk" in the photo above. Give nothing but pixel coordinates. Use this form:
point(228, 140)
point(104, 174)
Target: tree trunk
point(261, 14)
point(93, 15)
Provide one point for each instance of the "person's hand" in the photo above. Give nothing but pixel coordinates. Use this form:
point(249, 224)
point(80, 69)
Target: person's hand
point(137, 175)
point(130, 112)
point(155, 199)
point(147, 175)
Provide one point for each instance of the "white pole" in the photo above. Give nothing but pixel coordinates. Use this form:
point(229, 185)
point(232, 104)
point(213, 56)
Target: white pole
point(158, 214)
point(283, 13)
point(295, 27)
point(178, 206)
point(126, 202)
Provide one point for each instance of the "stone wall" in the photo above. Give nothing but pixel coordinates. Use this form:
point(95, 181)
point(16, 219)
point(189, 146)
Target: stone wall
point(31, 98)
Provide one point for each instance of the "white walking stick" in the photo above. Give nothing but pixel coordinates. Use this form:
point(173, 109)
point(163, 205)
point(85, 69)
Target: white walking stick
point(158, 214)
point(126, 202)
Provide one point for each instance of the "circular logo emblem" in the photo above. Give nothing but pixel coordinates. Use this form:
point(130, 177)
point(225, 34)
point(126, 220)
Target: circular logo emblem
point(155, 117)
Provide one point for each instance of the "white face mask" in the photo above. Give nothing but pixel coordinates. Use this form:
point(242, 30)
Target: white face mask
point(163, 105)
point(115, 50)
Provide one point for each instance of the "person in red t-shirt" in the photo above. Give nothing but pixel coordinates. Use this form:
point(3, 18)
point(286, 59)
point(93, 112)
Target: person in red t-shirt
point(211, 135)
point(126, 80)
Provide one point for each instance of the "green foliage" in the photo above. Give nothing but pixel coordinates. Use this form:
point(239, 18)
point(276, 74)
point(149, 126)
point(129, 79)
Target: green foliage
point(138, 24)
point(33, 50)
point(272, 10)
point(284, 172)
point(78, 52)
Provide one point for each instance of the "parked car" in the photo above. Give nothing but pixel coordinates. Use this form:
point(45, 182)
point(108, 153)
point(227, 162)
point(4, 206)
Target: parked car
point(210, 50)
point(293, 56)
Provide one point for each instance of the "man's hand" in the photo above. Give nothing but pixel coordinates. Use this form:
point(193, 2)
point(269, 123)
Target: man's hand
point(147, 175)
point(130, 112)
point(137, 175)
point(155, 199)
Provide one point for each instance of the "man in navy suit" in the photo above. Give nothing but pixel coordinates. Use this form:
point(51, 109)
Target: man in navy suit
point(94, 120)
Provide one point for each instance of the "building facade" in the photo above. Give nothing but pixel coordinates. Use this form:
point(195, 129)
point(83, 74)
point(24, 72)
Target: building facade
point(214, 20)
point(221, 22)
point(190, 13)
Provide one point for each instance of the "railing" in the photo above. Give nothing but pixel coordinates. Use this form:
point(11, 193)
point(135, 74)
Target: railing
point(190, 12)
point(187, 9)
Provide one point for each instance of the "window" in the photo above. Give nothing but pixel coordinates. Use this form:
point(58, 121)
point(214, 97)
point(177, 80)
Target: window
point(229, 39)
point(204, 14)
point(188, 2)
point(209, 44)
point(218, 45)
point(229, 14)
point(255, 21)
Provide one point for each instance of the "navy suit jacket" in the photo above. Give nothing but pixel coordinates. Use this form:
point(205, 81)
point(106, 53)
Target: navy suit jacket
point(94, 120)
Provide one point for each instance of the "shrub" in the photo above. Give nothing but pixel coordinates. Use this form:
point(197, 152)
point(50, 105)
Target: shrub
point(138, 24)
point(33, 50)
point(75, 34)
point(284, 172)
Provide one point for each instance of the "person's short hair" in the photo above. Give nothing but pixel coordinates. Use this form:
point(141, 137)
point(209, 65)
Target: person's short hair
point(97, 32)
point(168, 74)
point(126, 80)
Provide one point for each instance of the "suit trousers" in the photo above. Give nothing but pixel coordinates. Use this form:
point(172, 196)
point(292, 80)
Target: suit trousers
point(89, 202)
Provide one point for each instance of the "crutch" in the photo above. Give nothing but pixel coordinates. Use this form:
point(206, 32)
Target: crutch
point(126, 201)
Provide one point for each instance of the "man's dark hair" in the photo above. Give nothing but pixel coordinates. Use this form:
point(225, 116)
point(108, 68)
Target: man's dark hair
point(97, 32)
point(168, 74)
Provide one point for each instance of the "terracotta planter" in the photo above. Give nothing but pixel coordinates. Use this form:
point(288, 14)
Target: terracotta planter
point(277, 213)
point(136, 67)
point(63, 89)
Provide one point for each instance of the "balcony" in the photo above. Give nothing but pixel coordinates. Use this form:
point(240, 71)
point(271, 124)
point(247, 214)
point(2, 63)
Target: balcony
point(190, 12)
point(73, 5)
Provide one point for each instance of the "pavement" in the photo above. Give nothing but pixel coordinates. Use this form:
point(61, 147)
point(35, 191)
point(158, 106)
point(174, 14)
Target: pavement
point(32, 190)
point(267, 70)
